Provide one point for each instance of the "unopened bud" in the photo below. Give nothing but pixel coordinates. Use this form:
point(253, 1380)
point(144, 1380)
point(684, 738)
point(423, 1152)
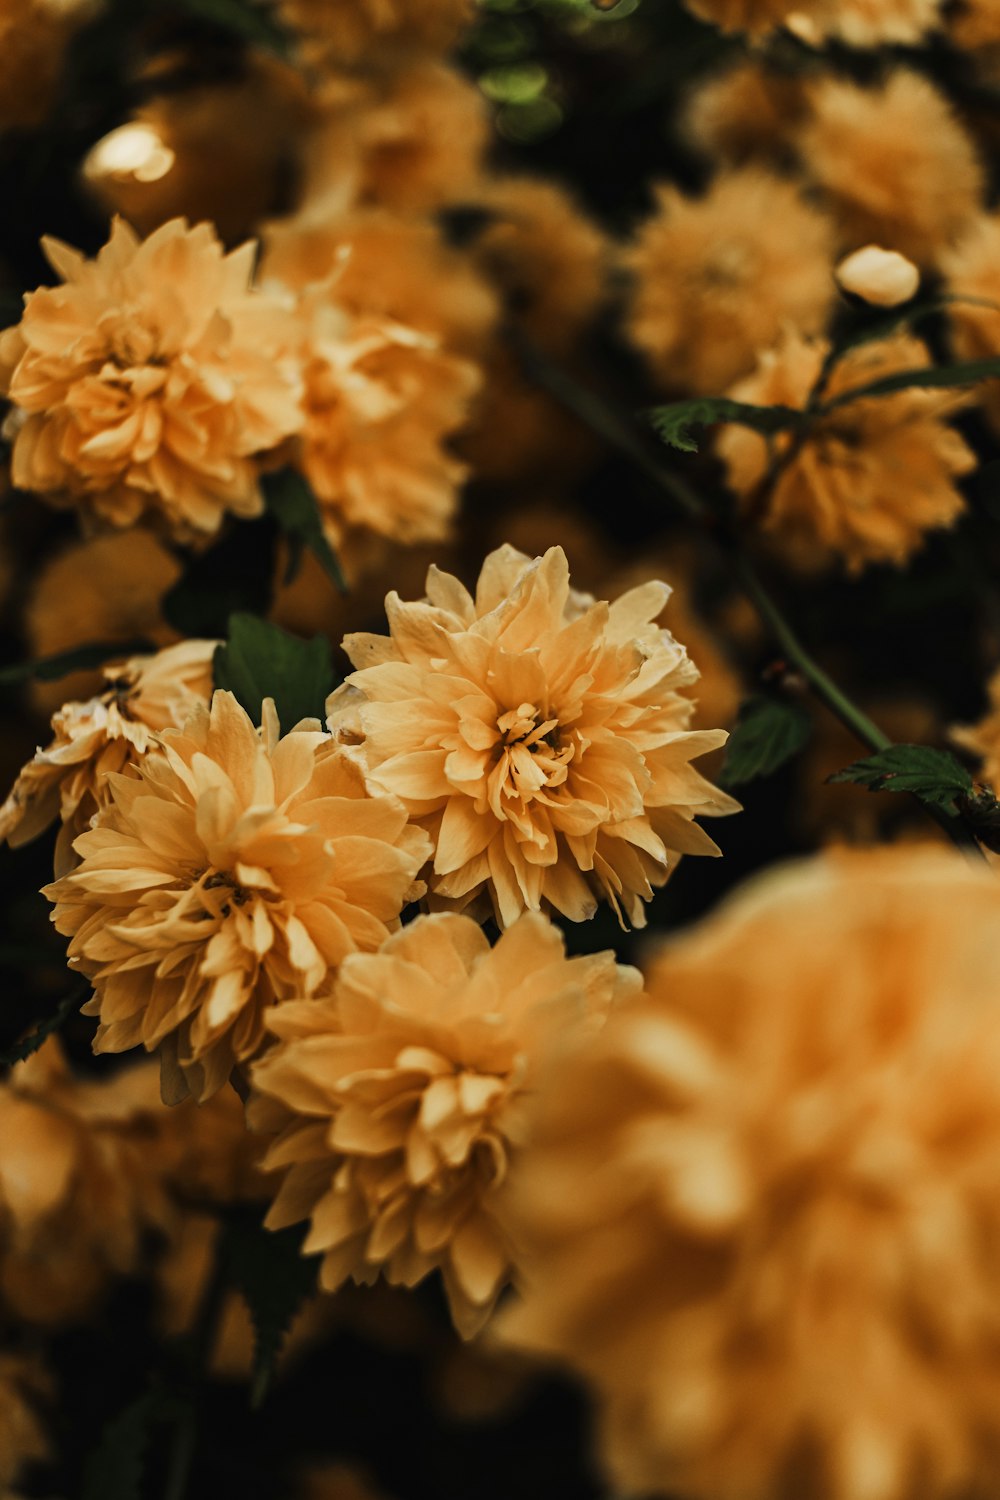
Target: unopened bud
point(882, 277)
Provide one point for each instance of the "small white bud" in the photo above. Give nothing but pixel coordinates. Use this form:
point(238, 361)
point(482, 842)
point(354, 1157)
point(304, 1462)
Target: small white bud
point(882, 277)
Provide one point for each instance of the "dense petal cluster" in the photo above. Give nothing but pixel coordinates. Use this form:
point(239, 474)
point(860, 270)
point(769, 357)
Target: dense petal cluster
point(746, 1197)
point(400, 1098)
point(859, 23)
point(68, 778)
point(145, 385)
point(871, 478)
point(541, 739)
point(717, 278)
point(234, 871)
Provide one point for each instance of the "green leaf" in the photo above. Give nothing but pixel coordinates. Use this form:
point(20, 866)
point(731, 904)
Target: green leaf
point(673, 423)
point(292, 503)
point(937, 377)
point(260, 661)
point(114, 1471)
point(235, 573)
point(80, 659)
point(51, 1024)
point(935, 776)
point(275, 1279)
point(768, 732)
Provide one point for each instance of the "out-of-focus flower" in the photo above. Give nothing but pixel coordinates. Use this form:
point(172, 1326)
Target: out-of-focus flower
point(399, 1098)
point(975, 25)
point(882, 277)
point(541, 739)
point(972, 269)
point(78, 1184)
point(219, 152)
point(746, 113)
point(983, 737)
point(380, 402)
point(363, 30)
point(34, 35)
point(549, 262)
point(235, 870)
point(871, 478)
point(922, 186)
point(859, 23)
point(146, 384)
point(717, 278)
point(410, 139)
point(108, 734)
point(22, 1437)
point(114, 582)
point(744, 1197)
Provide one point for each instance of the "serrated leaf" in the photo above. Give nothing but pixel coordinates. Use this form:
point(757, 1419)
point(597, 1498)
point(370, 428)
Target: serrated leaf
point(293, 505)
point(275, 1279)
point(114, 1471)
point(768, 732)
point(935, 776)
point(80, 659)
point(937, 377)
point(259, 660)
point(673, 423)
point(37, 1038)
point(235, 573)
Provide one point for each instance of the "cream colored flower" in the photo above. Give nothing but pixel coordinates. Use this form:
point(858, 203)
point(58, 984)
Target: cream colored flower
point(716, 278)
point(759, 1208)
point(872, 478)
point(923, 185)
point(146, 384)
point(882, 277)
point(234, 871)
point(109, 734)
point(380, 402)
point(541, 739)
point(400, 1098)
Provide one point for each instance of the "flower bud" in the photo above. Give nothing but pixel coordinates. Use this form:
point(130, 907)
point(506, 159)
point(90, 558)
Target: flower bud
point(882, 277)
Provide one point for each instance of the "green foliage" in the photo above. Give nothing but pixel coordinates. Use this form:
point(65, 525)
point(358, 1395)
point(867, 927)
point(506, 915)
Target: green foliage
point(673, 423)
point(275, 1279)
point(935, 776)
point(259, 661)
point(51, 1024)
point(80, 659)
point(768, 732)
point(114, 1470)
point(293, 505)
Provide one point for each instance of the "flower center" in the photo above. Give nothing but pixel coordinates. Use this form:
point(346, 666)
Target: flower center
point(531, 754)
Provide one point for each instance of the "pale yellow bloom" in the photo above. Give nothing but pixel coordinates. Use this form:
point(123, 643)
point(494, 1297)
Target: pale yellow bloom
point(759, 1208)
point(235, 870)
point(145, 385)
point(717, 278)
point(872, 478)
point(400, 1097)
point(541, 739)
point(68, 779)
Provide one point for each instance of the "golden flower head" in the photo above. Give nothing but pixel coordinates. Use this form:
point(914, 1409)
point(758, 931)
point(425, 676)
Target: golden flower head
point(872, 478)
point(400, 1098)
point(974, 25)
point(746, 112)
point(541, 739)
point(146, 383)
point(758, 1208)
point(78, 1188)
point(922, 186)
point(859, 23)
point(883, 278)
point(362, 30)
point(68, 779)
point(717, 277)
point(235, 870)
point(972, 270)
point(380, 402)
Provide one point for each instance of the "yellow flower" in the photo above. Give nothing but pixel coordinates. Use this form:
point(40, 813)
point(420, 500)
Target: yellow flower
point(34, 35)
point(746, 112)
point(78, 1185)
point(541, 739)
point(871, 478)
point(859, 23)
point(717, 278)
point(380, 402)
point(400, 1096)
point(971, 270)
point(235, 870)
point(362, 30)
point(145, 385)
point(759, 1208)
point(102, 736)
point(919, 190)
